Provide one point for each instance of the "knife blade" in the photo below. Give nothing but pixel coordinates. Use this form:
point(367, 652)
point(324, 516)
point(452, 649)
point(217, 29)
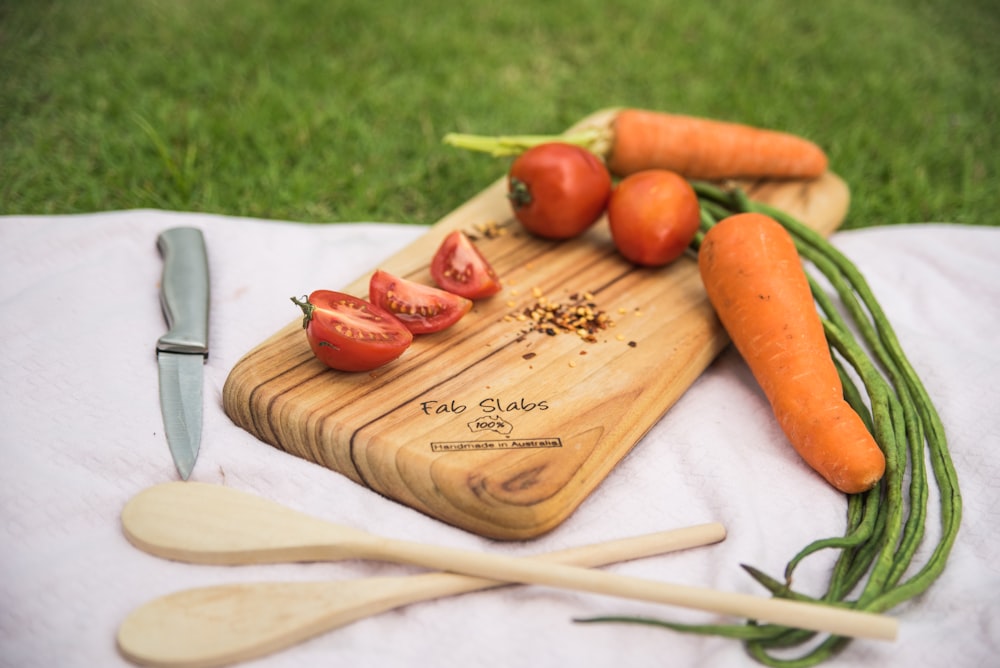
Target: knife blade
point(182, 351)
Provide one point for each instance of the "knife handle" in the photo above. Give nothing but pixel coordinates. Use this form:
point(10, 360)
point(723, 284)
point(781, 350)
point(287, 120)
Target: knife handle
point(184, 290)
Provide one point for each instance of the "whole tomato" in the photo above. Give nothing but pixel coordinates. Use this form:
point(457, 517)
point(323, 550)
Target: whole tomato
point(653, 216)
point(558, 190)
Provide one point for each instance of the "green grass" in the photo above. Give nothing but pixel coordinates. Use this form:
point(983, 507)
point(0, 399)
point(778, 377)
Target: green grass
point(328, 111)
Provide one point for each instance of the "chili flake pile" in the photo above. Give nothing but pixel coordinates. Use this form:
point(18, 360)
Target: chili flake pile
point(488, 230)
point(579, 315)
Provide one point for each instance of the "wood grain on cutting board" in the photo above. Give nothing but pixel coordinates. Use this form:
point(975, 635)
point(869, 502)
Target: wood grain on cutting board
point(490, 426)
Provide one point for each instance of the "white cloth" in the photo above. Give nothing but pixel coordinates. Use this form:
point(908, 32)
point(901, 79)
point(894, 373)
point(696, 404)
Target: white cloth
point(81, 432)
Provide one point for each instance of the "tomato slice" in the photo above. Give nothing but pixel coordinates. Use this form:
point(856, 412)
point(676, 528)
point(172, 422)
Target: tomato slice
point(422, 308)
point(461, 269)
point(351, 334)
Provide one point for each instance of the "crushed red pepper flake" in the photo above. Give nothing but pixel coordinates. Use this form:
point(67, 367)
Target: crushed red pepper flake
point(488, 230)
point(579, 315)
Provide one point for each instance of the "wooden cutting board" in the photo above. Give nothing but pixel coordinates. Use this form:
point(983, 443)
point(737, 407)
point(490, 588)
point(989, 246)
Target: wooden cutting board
point(490, 425)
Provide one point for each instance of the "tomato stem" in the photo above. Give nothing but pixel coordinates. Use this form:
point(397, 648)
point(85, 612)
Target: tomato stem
point(307, 309)
point(519, 193)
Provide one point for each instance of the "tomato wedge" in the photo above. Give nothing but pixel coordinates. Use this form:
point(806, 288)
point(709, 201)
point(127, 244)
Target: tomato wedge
point(350, 334)
point(461, 269)
point(422, 308)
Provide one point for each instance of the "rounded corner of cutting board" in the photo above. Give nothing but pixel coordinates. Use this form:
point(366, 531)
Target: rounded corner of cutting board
point(822, 203)
point(241, 400)
point(504, 494)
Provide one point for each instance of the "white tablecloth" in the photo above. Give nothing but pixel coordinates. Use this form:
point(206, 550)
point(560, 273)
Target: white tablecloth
point(81, 432)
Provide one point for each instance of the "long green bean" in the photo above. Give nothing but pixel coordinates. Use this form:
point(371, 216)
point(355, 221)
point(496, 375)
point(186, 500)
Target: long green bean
point(930, 431)
point(886, 525)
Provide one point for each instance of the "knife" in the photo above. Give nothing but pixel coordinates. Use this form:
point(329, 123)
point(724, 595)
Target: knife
point(182, 351)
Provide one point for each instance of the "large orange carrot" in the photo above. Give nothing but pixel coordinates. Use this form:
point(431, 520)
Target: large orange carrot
point(755, 281)
point(633, 140)
point(701, 148)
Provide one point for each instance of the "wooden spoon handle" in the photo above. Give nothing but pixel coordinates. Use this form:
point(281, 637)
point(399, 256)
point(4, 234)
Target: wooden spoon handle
point(803, 615)
point(214, 626)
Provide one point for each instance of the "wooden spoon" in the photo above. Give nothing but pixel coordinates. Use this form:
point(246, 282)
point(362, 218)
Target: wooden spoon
point(215, 626)
point(204, 523)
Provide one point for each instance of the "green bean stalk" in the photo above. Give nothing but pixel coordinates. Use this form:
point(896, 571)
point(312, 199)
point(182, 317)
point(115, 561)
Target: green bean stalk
point(874, 568)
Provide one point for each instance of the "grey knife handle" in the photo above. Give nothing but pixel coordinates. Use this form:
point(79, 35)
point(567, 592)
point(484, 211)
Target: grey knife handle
point(184, 290)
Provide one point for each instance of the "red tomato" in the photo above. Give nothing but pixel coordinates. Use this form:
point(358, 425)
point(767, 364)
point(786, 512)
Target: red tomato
point(461, 269)
point(558, 190)
point(422, 308)
point(350, 334)
point(653, 216)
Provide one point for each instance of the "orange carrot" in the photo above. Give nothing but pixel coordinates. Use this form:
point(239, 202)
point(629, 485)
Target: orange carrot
point(754, 278)
point(634, 140)
point(700, 148)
